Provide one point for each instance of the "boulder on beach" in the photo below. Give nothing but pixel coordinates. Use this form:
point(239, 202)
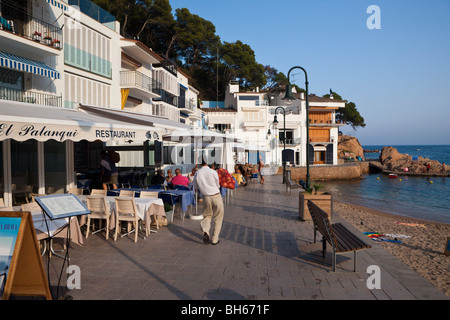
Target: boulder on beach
point(349, 146)
point(393, 160)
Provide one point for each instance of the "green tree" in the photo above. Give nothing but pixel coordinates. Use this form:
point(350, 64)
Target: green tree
point(239, 63)
point(196, 40)
point(349, 114)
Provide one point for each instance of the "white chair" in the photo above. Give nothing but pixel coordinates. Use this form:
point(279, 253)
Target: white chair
point(99, 210)
point(76, 191)
point(2, 204)
point(126, 193)
point(36, 195)
point(126, 211)
point(6, 209)
point(149, 194)
point(98, 192)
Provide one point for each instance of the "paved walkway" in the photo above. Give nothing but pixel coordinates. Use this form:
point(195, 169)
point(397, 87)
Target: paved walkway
point(265, 253)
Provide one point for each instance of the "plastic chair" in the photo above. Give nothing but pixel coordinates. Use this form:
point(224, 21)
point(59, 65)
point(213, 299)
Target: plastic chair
point(126, 211)
point(172, 200)
point(181, 187)
point(99, 210)
point(126, 193)
point(2, 204)
point(143, 179)
point(98, 192)
point(126, 181)
point(254, 178)
point(76, 191)
point(149, 194)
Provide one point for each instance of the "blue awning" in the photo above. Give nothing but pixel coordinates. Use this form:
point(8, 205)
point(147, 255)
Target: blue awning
point(27, 65)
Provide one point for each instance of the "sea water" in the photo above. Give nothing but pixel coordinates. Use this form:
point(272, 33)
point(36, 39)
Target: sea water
point(421, 197)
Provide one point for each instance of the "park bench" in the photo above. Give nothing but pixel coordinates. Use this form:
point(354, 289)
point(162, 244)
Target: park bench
point(290, 184)
point(340, 238)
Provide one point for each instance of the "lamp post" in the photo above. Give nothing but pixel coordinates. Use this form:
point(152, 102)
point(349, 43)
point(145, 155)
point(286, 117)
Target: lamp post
point(289, 96)
point(275, 123)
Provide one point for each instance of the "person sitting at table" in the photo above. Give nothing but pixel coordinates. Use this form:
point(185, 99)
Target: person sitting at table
point(158, 179)
point(169, 176)
point(192, 174)
point(179, 179)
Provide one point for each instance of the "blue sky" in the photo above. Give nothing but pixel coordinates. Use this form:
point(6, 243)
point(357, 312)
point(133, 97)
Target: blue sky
point(398, 76)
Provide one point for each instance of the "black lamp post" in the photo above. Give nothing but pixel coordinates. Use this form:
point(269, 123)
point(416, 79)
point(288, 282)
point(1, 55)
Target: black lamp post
point(275, 123)
point(289, 96)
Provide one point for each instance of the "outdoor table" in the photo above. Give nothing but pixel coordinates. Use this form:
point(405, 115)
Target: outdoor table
point(185, 197)
point(116, 192)
point(146, 207)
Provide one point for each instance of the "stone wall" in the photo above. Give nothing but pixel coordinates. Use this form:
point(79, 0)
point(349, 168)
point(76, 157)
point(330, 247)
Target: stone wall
point(339, 172)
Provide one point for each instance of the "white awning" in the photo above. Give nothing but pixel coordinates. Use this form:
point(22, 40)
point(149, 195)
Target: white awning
point(23, 121)
point(164, 124)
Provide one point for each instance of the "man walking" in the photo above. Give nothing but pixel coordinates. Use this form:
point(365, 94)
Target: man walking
point(206, 181)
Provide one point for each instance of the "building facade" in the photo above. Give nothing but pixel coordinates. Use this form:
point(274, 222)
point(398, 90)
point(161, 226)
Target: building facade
point(63, 55)
point(250, 117)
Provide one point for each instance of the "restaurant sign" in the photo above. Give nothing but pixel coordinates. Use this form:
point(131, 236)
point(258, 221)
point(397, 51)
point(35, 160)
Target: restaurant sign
point(43, 132)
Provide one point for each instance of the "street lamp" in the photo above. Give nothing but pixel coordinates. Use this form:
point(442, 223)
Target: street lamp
point(275, 123)
point(289, 96)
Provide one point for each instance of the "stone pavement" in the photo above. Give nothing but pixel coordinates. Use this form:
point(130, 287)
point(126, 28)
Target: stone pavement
point(265, 253)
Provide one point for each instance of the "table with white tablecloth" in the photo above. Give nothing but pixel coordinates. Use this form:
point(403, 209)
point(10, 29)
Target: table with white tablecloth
point(146, 207)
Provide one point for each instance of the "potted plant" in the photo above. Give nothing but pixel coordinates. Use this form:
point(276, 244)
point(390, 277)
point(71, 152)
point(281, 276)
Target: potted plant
point(56, 43)
point(48, 40)
point(323, 199)
point(36, 36)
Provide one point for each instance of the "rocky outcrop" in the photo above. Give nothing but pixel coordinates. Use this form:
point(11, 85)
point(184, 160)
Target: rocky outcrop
point(392, 160)
point(349, 147)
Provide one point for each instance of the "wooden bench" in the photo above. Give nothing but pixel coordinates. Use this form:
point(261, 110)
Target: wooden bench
point(290, 184)
point(339, 237)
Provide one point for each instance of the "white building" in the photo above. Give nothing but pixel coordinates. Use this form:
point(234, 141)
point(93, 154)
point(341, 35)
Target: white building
point(70, 85)
point(250, 116)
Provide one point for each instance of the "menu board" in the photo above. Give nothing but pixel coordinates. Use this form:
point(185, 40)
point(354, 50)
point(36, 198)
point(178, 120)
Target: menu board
point(60, 206)
point(9, 228)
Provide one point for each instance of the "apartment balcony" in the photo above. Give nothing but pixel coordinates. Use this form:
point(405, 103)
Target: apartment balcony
point(320, 139)
point(187, 106)
point(196, 115)
point(140, 84)
point(45, 99)
point(325, 123)
point(166, 97)
point(291, 142)
point(22, 32)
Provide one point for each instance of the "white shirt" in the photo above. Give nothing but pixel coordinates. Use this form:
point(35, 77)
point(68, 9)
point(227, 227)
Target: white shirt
point(206, 180)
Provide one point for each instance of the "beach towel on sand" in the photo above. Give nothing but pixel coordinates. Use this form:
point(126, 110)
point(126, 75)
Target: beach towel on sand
point(376, 236)
point(411, 224)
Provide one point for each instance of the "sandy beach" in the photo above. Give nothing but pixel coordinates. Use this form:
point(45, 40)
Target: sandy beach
point(421, 245)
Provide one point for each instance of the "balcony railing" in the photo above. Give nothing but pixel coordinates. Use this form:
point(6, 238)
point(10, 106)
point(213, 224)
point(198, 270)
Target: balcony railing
point(139, 80)
point(24, 24)
point(166, 97)
point(30, 97)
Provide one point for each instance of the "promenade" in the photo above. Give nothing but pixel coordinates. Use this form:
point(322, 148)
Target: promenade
point(265, 253)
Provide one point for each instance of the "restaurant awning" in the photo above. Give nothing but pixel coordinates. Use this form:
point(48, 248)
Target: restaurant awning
point(23, 121)
point(167, 126)
point(12, 61)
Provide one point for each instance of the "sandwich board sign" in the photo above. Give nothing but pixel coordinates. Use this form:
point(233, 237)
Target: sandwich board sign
point(21, 268)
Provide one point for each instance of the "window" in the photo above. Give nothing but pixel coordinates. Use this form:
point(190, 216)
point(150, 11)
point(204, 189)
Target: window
point(55, 166)
point(289, 136)
point(252, 116)
point(24, 170)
